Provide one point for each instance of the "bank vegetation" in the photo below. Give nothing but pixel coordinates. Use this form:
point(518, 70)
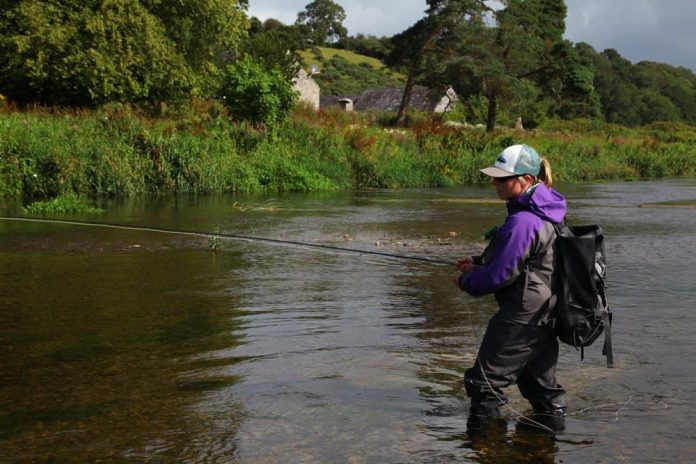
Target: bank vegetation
point(116, 151)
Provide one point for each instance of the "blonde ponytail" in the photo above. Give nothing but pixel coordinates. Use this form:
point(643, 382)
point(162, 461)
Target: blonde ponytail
point(545, 175)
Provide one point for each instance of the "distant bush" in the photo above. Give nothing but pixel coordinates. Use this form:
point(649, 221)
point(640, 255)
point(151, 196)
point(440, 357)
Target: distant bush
point(672, 131)
point(369, 45)
point(64, 204)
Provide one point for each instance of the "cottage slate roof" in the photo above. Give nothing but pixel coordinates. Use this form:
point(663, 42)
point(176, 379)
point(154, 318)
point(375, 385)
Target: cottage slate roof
point(390, 99)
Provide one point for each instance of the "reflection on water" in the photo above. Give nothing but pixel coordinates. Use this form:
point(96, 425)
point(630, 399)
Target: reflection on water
point(99, 351)
point(136, 346)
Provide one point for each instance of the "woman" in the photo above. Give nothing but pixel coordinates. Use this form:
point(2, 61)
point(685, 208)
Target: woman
point(516, 267)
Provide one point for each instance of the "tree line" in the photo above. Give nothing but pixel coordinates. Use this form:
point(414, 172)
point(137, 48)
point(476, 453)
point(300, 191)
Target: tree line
point(507, 61)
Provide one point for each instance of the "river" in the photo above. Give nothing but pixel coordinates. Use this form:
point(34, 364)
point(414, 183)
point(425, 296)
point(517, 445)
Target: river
point(139, 346)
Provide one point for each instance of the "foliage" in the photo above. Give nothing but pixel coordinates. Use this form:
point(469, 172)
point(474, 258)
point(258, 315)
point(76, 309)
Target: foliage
point(252, 93)
point(520, 47)
point(116, 152)
point(63, 204)
point(325, 54)
point(276, 45)
point(346, 73)
point(642, 93)
point(84, 53)
point(340, 77)
point(367, 45)
point(425, 46)
point(324, 19)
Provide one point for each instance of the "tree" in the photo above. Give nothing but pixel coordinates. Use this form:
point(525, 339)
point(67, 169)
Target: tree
point(84, 53)
point(642, 93)
point(568, 84)
point(619, 96)
point(325, 21)
point(525, 42)
point(656, 107)
point(676, 84)
point(275, 45)
point(203, 31)
point(528, 33)
point(416, 48)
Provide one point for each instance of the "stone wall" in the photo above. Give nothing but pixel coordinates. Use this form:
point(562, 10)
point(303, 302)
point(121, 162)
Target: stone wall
point(308, 88)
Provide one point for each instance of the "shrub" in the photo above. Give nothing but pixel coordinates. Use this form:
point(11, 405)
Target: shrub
point(253, 94)
point(63, 204)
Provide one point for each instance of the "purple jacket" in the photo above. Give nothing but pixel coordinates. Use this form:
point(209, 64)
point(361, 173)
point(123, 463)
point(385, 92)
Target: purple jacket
point(517, 265)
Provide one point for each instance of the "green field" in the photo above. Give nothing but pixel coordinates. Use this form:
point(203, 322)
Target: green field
point(343, 72)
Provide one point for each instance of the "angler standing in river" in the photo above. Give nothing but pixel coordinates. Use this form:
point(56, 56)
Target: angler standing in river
point(516, 267)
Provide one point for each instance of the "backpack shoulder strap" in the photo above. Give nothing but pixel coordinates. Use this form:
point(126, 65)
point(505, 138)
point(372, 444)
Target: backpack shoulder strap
point(607, 350)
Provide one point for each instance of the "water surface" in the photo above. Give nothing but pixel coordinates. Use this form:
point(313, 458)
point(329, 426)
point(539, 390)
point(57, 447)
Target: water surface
point(124, 345)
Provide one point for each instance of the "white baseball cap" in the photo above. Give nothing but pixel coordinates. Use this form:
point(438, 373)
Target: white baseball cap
point(515, 160)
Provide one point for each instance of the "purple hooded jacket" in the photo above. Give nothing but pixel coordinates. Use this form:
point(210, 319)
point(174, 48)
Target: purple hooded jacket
point(517, 266)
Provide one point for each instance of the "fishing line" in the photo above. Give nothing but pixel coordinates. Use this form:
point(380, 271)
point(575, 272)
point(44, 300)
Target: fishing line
point(628, 405)
point(297, 243)
point(248, 238)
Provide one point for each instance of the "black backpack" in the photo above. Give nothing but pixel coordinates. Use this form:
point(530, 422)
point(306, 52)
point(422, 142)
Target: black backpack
point(581, 312)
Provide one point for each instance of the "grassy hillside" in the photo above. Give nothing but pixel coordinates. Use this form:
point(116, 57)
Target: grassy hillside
point(325, 53)
point(343, 72)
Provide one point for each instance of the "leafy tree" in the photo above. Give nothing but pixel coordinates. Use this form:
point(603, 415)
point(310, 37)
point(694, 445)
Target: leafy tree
point(325, 21)
point(642, 93)
point(676, 84)
point(568, 84)
point(527, 32)
point(276, 45)
point(202, 31)
point(656, 107)
point(87, 52)
point(620, 98)
point(419, 48)
point(499, 62)
point(255, 94)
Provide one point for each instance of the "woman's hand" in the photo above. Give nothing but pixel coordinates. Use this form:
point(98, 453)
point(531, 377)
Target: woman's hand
point(466, 264)
point(455, 280)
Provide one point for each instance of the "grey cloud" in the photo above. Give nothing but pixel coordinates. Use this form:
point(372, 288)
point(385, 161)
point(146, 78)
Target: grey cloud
point(639, 30)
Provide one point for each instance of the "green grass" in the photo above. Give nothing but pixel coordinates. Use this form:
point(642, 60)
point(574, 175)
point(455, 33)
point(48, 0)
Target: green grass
point(327, 53)
point(343, 72)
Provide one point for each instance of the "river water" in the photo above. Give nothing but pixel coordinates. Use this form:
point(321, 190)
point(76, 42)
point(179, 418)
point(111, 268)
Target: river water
point(135, 346)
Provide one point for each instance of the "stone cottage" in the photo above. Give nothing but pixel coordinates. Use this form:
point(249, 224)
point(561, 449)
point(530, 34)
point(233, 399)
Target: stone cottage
point(307, 87)
point(390, 100)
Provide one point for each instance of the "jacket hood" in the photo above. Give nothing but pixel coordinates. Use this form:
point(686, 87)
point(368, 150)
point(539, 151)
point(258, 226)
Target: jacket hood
point(541, 200)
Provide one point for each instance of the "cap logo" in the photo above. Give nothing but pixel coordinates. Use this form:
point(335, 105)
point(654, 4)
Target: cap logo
point(501, 159)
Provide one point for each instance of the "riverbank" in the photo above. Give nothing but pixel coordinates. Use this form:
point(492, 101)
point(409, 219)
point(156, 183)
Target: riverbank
point(116, 152)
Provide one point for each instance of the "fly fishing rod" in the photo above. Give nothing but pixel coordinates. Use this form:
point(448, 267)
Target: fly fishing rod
point(248, 238)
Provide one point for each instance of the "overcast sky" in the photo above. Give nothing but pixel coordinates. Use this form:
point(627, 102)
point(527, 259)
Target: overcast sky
point(654, 30)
